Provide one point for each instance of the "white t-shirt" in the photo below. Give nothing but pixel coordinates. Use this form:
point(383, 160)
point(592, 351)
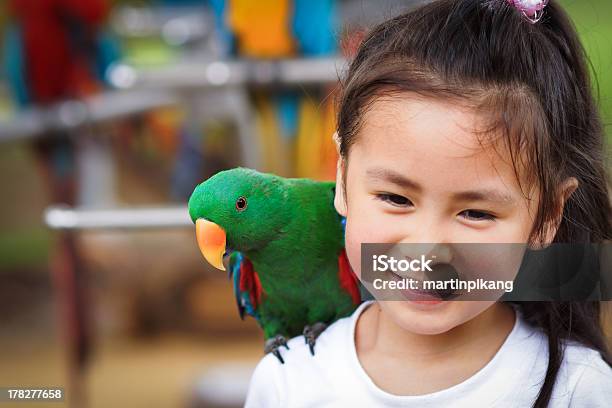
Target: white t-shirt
point(333, 377)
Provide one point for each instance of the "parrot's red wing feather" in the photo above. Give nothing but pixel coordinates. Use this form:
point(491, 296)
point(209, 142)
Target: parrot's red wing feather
point(348, 279)
point(249, 282)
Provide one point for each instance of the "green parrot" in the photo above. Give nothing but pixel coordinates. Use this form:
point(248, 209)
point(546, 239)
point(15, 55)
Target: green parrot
point(283, 244)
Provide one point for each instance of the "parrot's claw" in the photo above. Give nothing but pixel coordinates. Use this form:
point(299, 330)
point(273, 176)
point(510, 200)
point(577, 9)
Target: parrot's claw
point(311, 333)
point(274, 344)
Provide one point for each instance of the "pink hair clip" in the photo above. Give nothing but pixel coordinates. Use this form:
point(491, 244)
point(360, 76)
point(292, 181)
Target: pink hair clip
point(531, 9)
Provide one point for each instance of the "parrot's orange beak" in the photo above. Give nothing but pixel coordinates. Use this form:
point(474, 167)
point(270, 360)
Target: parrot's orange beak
point(211, 240)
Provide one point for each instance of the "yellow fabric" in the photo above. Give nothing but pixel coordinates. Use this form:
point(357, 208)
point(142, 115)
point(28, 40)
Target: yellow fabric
point(315, 150)
point(307, 145)
point(262, 27)
point(275, 149)
point(328, 147)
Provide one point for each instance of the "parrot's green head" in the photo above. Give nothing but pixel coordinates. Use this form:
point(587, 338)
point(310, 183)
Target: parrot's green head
point(238, 209)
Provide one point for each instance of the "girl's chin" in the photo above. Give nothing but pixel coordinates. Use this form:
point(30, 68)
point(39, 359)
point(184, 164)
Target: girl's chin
point(423, 317)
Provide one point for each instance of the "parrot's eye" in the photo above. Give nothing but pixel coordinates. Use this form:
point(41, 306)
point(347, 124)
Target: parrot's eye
point(241, 203)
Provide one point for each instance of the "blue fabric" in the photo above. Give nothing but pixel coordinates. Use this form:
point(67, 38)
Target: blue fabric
point(63, 160)
point(314, 22)
point(14, 65)
point(224, 33)
point(287, 107)
point(108, 52)
point(188, 165)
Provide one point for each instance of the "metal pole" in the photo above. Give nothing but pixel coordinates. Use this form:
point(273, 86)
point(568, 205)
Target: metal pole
point(67, 218)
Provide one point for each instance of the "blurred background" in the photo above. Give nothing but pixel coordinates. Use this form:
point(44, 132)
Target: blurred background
point(111, 111)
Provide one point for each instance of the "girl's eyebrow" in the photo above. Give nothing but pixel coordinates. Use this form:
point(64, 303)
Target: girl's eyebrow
point(393, 177)
point(490, 195)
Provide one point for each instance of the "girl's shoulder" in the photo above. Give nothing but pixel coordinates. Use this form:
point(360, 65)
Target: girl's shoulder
point(587, 374)
point(584, 377)
point(578, 355)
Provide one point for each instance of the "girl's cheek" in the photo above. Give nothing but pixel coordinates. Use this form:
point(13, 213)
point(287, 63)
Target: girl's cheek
point(362, 230)
point(353, 239)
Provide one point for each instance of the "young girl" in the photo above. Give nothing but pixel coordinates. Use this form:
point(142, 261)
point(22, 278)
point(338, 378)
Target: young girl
point(462, 121)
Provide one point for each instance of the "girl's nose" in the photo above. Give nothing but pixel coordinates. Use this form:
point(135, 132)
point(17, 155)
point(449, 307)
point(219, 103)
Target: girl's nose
point(426, 231)
point(431, 239)
point(439, 253)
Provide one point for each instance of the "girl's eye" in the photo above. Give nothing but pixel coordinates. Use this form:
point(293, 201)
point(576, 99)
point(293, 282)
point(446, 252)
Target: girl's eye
point(241, 203)
point(394, 199)
point(476, 215)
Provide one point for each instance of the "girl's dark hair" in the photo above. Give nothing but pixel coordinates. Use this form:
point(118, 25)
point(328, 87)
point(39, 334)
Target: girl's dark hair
point(531, 81)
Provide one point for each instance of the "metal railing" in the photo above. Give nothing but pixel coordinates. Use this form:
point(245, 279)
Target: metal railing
point(67, 218)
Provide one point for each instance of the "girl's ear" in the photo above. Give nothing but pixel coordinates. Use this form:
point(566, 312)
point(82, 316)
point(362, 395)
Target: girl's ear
point(566, 189)
point(339, 201)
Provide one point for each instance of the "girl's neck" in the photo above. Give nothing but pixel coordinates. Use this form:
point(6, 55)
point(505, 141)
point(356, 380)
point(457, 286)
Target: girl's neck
point(447, 358)
point(496, 321)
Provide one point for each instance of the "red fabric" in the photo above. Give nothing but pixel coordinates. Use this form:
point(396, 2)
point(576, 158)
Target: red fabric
point(347, 278)
point(54, 71)
point(249, 282)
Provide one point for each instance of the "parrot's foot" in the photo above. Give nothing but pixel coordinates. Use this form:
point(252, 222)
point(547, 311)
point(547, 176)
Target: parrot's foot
point(274, 344)
point(311, 333)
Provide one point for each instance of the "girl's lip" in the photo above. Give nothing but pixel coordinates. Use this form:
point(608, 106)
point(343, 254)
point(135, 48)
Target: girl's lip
point(422, 297)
